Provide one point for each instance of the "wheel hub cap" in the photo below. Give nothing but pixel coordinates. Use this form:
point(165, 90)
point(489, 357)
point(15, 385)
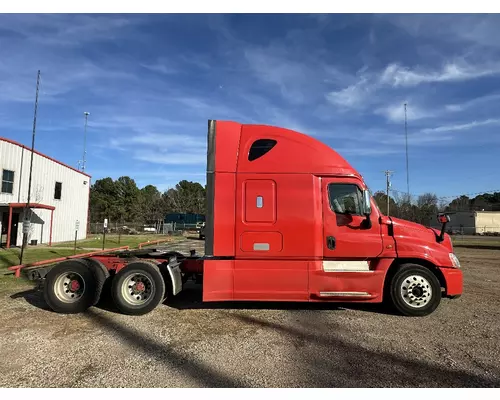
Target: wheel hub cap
point(416, 291)
point(69, 287)
point(74, 286)
point(137, 289)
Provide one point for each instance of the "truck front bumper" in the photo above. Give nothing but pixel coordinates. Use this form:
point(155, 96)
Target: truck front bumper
point(453, 278)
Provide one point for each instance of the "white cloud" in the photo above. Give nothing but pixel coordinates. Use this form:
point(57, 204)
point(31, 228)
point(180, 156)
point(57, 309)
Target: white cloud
point(461, 127)
point(67, 29)
point(396, 113)
point(373, 88)
point(273, 66)
point(465, 29)
point(367, 151)
point(178, 64)
point(163, 149)
point(479, 101)
point(161, 67)
point(171, 158)
point(397, 75)
point(351, 96)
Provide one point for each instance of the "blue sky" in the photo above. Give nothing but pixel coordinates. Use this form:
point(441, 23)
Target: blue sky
point(151, 82)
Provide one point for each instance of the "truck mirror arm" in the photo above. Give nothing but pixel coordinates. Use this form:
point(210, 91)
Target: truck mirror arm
point(367, 222)
point(444, 219)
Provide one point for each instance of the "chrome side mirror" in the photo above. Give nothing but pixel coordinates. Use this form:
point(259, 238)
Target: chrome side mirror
point(367, 206)
point(367, 210)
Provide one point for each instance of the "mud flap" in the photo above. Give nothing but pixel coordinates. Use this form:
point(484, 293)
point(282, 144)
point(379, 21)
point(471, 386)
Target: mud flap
point(174, 270)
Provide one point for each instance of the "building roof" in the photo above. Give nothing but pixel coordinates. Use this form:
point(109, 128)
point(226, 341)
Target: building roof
point(42, 155)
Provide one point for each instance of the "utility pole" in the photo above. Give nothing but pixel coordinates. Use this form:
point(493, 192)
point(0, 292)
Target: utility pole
point(85, 141)
point(407, 171)
point(388, 185)
point(25, 233)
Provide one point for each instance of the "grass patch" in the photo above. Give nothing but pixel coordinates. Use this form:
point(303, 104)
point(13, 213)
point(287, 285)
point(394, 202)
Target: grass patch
point(8, 283)
point(10, 257)
point(112, 241)
point(487, 242)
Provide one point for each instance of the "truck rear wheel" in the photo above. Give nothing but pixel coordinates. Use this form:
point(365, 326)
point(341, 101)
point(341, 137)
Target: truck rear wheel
point(138, 288)
point(415, 291)
point(70, 287)
point(101, 275)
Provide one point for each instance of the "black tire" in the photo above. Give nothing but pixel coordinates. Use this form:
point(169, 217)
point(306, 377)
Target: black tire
point(54, 279)
point(155, 288)
point(415, 284)
point(101, 274)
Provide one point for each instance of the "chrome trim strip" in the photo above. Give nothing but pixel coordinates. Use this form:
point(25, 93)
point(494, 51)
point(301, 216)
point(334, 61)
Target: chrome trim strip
point(344, 294)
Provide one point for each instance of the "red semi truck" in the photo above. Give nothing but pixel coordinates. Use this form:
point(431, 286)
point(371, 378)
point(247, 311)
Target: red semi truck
point(288, 219)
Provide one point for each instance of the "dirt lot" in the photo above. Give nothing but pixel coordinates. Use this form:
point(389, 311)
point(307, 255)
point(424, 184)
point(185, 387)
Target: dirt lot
point(190, 344)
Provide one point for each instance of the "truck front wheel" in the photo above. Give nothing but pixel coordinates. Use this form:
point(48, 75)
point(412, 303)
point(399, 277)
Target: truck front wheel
point(414, 290)
point(138, 288)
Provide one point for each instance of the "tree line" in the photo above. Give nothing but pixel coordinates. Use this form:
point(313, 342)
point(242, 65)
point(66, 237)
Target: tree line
point(121, 200)
point(428, 205)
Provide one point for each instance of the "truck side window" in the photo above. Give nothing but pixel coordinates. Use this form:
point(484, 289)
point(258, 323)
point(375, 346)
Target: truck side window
point(345, 198)
point(260, 147)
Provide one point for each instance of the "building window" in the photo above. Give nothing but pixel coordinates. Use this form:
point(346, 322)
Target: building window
point(345, 198)
point(7, 181)
point(260, 147)
point(57, 191)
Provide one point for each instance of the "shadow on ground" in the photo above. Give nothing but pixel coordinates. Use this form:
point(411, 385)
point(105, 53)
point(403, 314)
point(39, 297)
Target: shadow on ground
point(324, 353)
point(203, 374)
point(191, 298)
point(327, 359)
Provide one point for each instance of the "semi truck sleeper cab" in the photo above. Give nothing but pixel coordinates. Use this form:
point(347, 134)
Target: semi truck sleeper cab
point(288, 219)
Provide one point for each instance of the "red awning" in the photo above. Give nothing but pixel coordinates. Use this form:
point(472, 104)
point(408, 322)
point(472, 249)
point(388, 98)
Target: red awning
point(32, 205)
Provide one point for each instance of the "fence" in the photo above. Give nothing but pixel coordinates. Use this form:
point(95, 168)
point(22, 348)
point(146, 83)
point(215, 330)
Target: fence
point(493, 231)
point(160, 228)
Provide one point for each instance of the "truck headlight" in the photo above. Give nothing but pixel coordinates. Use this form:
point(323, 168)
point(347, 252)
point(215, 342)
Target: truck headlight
point(454, 260)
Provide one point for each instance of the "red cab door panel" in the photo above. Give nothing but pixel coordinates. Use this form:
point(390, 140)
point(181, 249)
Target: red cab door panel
point(349, 246)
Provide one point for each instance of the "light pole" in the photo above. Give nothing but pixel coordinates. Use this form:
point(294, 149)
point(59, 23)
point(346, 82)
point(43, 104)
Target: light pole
point(27, 209)
point(407, 171)
point(85, 141)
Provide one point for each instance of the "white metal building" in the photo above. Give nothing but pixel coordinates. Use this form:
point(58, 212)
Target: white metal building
point(59, 197)
point(474, 222)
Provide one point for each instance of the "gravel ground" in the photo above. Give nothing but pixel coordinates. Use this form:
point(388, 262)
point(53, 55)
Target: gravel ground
point(191, 344)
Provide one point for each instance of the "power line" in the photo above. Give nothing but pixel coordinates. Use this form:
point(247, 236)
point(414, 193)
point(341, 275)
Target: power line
point(25, 234)
point(388, 185)
point(453, 196)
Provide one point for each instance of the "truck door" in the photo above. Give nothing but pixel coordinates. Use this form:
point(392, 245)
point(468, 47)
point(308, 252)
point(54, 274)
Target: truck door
point(348, 244)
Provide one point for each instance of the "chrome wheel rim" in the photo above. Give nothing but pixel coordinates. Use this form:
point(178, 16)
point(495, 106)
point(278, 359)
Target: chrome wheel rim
point(416, 291)
point(137, 289)
point(69, 287)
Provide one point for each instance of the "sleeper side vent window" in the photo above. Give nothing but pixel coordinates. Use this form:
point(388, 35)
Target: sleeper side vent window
point(260, 147)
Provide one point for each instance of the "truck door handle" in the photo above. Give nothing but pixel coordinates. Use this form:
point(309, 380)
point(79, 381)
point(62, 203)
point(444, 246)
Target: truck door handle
point(330, 242)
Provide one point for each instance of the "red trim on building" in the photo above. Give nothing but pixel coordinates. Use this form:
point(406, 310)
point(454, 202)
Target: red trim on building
point(87, 231)
point(51, 225)
point(9, 228)
point(31, 205)
point(42, 155)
